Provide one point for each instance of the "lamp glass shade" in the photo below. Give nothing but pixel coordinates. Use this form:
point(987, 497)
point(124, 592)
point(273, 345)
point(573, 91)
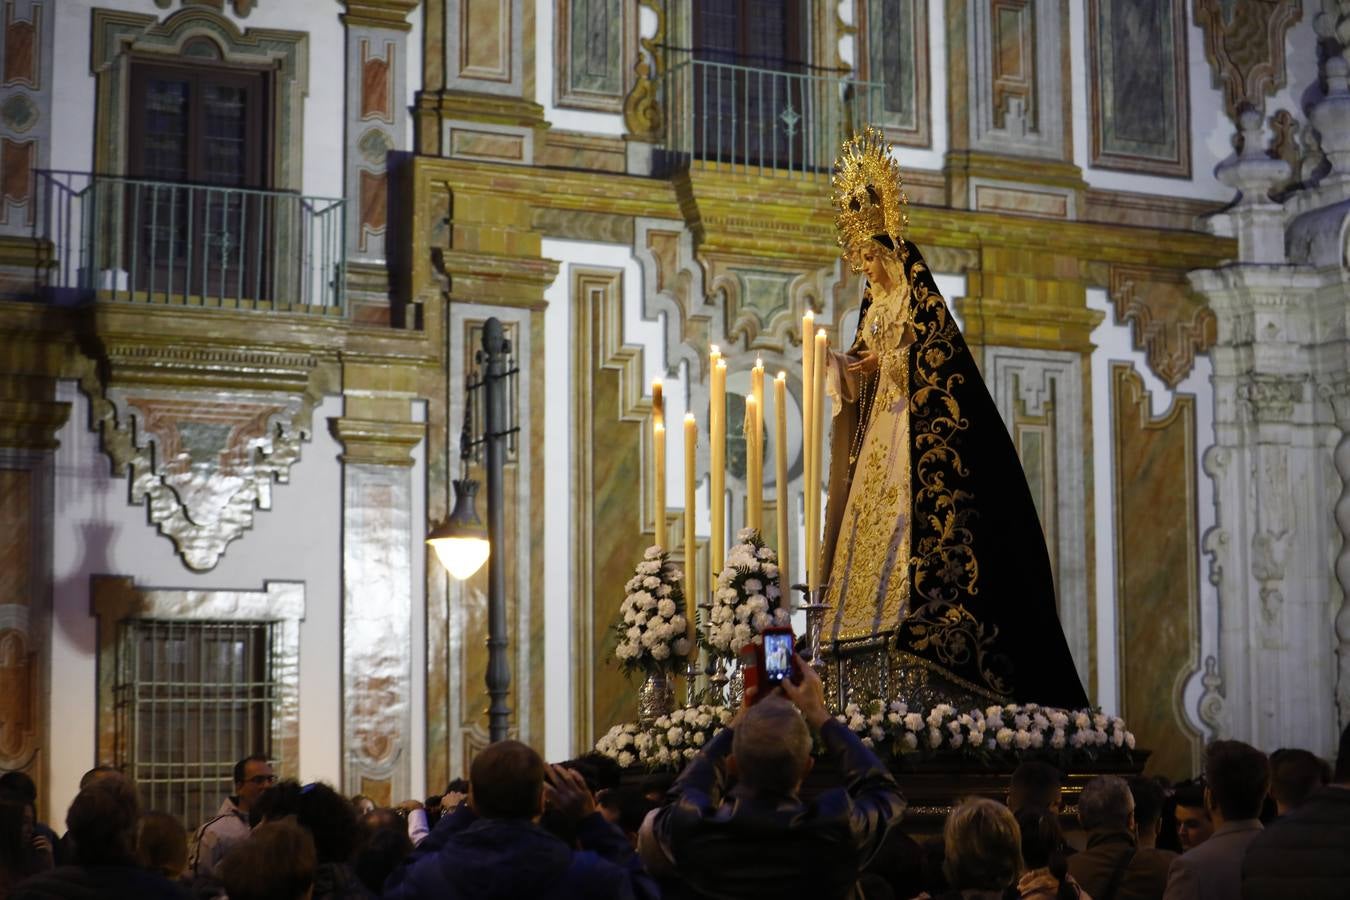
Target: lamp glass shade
point(461, 542)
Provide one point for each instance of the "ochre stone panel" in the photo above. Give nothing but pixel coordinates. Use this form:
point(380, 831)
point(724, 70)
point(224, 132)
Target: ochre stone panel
point(1157, 590)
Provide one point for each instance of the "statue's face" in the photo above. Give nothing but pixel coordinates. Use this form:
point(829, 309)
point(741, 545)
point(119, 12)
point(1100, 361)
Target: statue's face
point(871, 256)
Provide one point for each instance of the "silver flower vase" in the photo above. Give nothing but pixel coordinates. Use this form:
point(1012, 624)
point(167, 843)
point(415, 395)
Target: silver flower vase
point(656, 697)
point(736, 688)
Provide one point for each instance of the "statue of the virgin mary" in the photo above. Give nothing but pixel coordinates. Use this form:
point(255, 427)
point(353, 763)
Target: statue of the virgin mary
point(939, 584)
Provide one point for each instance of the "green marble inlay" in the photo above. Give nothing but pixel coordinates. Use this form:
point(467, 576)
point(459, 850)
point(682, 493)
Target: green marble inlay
point(764, 292)
point(596, 47)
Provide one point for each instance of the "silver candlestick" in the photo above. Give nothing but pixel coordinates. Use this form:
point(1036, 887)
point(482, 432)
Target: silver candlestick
point(814, 607)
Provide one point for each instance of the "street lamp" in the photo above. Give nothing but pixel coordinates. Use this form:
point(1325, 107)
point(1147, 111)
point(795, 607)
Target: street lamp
point(460, 542)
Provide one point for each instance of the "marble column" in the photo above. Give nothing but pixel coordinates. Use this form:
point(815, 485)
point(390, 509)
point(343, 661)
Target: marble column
point(1275, 674)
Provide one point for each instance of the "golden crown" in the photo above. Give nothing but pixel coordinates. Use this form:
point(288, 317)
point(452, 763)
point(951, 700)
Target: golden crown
point(868, 193)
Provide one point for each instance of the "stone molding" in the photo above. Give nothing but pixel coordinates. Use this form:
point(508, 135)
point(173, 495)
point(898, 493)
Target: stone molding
point(390, 15)
point(374, 442)
point(1245, 51)
point(1168, 321)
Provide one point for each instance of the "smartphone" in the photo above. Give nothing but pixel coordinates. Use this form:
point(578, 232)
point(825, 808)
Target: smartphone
point(775, 662)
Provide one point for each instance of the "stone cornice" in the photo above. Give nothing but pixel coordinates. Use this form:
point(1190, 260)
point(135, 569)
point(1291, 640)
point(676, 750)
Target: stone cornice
point(387, 14)
point(375, 442)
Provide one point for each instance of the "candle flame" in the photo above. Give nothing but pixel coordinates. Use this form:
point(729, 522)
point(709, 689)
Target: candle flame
point(688, 418)
point(782, 376)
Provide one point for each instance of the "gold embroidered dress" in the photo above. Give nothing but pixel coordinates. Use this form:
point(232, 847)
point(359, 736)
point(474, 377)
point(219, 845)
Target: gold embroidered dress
point(869, 578)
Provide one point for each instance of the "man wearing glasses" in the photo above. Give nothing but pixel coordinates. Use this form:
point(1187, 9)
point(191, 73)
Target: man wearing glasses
point(216, 837)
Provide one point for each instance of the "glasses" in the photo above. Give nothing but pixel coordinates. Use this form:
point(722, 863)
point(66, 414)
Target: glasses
point(261, 779)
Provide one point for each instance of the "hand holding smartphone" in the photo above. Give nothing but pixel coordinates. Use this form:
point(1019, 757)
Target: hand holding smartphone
point(768, 664)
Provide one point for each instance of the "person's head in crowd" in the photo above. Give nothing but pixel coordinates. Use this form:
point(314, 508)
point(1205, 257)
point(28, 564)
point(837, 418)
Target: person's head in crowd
point(625, 808)
point(654, 787)
point(983, 846)
point(362, 804)
point(1148, 807)
point(1106, 804)
point(277, 802)
point(605, 771)
point(252, 776)
point(771, 748)
point(15, 836)
point(102, 821)
point(1237, 778)
point(330, 820)
point(96, 773)
point(506, 781)
point(1294, 776)
point(1035, 784)
point(21, 786)
point(1194, 825)
point(1044, 847)
point(162, 845)
point(384, 844)
point(276, 863)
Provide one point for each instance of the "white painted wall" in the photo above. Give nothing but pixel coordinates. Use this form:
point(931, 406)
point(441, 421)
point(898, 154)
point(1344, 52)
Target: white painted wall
point(96, 531)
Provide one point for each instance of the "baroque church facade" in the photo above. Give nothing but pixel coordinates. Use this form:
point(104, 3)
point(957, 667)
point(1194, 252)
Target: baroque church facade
point(248, 249)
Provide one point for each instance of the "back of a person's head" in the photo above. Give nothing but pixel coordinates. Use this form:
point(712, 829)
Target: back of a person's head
point(1105, 804)
point(771, 746)
point(102, 822)
point(384, 844)
point(1148, 801)
point(1238, 776)
point(627, 806)
point(606, 770)
point(277, 802)
point(1189, 793)
point(96, 773)
point(506, 781)
point(277, 862)
point(1042, 836)
point(161, 844)
point(1034, 784)
point(1295, 775)
point(330, 820)
point(983, 846)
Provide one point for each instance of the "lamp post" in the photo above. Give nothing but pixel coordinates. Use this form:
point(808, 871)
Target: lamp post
point(460, 542)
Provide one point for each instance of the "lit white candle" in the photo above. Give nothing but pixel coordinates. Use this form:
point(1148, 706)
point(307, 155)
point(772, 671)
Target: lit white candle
point(690, 515)
point(808, 459)
point(752, 509)
point(781, 487)
point(817, 451)
point(717, 437)
point(659, 481)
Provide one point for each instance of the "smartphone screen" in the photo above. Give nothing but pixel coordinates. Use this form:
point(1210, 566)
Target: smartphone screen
point(777, 656)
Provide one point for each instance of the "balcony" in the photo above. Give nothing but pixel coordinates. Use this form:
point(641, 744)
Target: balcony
point(128, 240)
point(747, 120)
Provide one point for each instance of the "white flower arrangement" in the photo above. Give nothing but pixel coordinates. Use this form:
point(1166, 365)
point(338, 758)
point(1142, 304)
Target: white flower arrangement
point(669, 742)
point(746, 600)
point(651, 634)
point(988, 735)
point(1009, 731)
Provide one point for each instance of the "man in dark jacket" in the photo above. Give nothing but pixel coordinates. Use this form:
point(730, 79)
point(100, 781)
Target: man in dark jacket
point(1114, 866)
point(491, 846)
point(1306, 854)
point(759, 839)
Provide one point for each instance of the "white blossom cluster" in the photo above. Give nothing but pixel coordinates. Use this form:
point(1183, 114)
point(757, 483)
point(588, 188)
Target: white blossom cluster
point(652, 630)
point(1011, 730)
point(745, 601)
point(669, 741)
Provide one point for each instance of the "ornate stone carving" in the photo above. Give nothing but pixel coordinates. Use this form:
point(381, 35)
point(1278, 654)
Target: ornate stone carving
point(1244, 44)
point(1169, 321)
point(1271, 398)
point(642, 114)
point(201, 460)
point(1211, 707)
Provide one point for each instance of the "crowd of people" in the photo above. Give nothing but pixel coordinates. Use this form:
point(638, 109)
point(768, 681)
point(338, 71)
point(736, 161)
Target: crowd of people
point(735, 823)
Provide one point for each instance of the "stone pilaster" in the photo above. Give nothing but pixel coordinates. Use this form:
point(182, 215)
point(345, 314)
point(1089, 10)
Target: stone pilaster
point(377, 598)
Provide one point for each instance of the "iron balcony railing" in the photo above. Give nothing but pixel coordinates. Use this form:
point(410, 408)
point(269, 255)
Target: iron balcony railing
point(759, 120)
point(142, 241)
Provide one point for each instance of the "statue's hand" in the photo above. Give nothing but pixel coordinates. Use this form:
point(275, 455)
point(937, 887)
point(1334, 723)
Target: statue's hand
point(866, 364)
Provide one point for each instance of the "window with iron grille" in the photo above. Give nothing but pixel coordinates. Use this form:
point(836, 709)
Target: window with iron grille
point(193, 698)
